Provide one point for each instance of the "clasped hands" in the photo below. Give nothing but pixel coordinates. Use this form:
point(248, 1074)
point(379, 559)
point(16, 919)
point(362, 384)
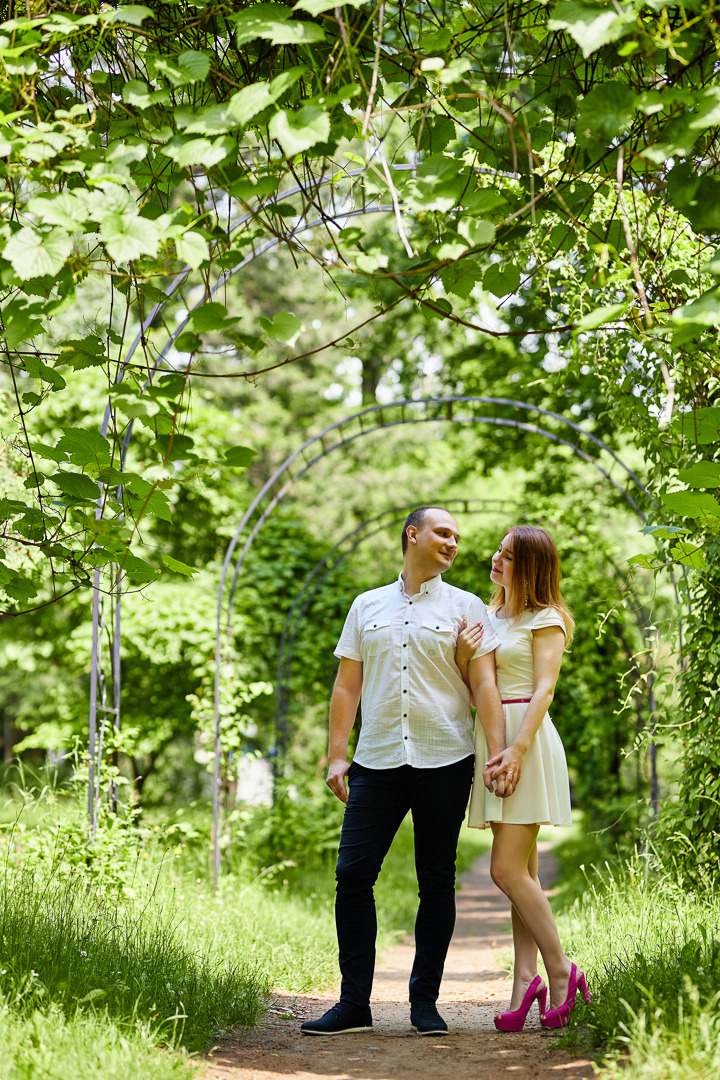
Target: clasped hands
point(501, 772)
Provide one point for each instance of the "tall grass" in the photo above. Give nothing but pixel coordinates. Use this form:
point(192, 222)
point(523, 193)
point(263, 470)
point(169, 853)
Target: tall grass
point(649, 942)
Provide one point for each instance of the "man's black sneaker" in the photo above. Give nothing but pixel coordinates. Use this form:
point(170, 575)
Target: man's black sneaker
point(342, 1019)
point(426, 1020)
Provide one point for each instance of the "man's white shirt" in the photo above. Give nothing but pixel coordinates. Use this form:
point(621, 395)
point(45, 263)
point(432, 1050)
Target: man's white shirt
point(415, 705)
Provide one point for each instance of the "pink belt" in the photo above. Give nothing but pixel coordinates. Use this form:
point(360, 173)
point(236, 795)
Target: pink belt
point(516, 700)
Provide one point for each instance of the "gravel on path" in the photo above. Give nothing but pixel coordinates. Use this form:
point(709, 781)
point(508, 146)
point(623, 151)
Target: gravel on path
point(475, 987)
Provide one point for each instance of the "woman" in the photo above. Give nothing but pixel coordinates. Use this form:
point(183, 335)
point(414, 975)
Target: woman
point(531, 619)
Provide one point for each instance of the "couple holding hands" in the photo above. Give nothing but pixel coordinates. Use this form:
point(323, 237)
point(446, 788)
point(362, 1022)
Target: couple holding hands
point(417, 653)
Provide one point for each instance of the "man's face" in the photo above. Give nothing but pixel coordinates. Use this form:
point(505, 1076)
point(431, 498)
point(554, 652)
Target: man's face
point(434, 545)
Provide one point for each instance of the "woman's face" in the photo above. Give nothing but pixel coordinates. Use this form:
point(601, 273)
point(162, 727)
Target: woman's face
point(502, 564)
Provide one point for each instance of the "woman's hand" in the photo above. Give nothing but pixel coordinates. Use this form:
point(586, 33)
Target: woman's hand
point(509, 765)
point(468, 640)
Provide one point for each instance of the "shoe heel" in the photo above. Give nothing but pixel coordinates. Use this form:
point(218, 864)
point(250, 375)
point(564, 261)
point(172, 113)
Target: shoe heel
point(583, 986)
point(542, 1000)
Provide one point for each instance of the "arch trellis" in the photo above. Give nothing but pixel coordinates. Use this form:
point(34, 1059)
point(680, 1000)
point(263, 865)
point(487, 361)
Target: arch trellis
point(342, 433)
point(336, 436)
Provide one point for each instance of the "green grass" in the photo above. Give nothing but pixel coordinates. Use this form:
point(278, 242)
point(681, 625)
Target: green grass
point(48, 1045)
point(649, 942)
point(116, 956)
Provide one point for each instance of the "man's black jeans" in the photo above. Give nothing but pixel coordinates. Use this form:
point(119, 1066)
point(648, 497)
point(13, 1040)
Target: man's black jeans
point(379, 800)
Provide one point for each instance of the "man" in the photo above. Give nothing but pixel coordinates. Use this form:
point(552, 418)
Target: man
point(415, 752)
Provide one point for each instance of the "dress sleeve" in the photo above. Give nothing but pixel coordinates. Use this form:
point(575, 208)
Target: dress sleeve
point(349, 644)
point(548, 617)
point(477, 612)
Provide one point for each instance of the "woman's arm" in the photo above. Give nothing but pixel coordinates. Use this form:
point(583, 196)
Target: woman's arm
point(548, 647)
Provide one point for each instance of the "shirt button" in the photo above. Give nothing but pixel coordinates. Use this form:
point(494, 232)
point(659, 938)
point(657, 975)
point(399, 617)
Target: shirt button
point(404, 667)
point(405, 718)
point(404, 644)
point(406, 622)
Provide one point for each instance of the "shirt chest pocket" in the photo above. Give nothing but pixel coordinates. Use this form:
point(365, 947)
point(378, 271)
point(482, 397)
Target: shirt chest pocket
point(438, 638)
point(375, 637)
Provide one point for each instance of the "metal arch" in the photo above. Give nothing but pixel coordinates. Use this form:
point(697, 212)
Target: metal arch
point(342, 441)
point(98, 606)
point(319, 573)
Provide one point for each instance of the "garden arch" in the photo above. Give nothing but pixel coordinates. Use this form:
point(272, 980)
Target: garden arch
point(339, 435)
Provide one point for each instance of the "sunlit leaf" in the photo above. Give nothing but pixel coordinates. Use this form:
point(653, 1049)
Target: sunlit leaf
point(693, 504)
point(178, 567)
point(600, 315)
point(192, 248)
point(33, 254)
point(128, 237)
point(77, 485)
point(298, 131)
point(239, 457)
point(272, 22)
point(84, 447)
point(591, 25)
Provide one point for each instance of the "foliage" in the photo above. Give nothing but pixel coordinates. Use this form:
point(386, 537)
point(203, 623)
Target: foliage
point(691, 821)
point(151, 150)
point(648, 941)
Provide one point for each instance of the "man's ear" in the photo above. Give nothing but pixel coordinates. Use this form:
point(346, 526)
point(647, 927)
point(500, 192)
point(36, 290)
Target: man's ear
point(412, 536)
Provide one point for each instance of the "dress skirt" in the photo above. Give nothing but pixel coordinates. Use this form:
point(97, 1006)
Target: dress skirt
point(542, 795)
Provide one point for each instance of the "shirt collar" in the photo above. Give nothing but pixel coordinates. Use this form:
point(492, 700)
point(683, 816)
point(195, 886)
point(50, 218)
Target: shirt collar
point(427, 587)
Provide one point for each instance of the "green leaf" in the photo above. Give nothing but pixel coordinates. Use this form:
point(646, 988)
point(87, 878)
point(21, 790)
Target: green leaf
point(139, 570)
point(210, 317)
point(250, 101)
point(139, 94)
point(192, 248)
point(188, 152)
point(606, 111)
point(700, 425)
point(298, 131)
point(285, 327)
point(178, 567)
point(156, 502)
point(180, 450)
point(20, 322)
point(591, 25)
point(128, 237)
point(190, 66)
point(84, 353)
point(38, 369)
point(663, 532)
point(77, 485)
point(599, 316)
point(84, 447)
point(272, 22)
point(689, 554)
point(33, 254)
point(132, 14)
point(705, 311)
point(63, 209)
point(502, 279)
point(693, 504)
point(476, 231)
point(317, 7)
point(20, 588)
point(239, 457)
point(703, 474)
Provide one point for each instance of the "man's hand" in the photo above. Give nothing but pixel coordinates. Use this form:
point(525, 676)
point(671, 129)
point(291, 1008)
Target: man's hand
point(336, 778)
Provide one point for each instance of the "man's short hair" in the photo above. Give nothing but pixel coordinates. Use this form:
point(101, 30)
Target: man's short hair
point(416, 519)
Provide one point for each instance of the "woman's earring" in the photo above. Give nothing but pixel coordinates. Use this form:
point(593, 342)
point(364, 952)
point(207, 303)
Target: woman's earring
point(527, 594)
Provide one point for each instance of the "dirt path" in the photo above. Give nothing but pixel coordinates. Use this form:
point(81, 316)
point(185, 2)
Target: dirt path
point(473, 989)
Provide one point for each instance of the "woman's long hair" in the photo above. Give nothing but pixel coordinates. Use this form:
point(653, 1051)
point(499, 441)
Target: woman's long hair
point(536, 576)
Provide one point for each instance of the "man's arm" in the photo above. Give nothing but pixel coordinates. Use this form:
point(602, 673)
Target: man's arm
point(481, 672)
point(343, 710)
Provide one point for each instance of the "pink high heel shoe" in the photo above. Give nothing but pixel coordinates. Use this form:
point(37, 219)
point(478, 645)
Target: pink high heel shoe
point(555, 1018)
point(515, 1020)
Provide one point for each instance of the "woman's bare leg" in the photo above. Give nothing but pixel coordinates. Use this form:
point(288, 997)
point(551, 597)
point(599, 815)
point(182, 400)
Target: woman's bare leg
point(514, 856)
point(524, 945)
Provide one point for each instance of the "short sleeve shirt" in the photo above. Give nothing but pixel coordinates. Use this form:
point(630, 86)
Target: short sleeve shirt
point(415, 705)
